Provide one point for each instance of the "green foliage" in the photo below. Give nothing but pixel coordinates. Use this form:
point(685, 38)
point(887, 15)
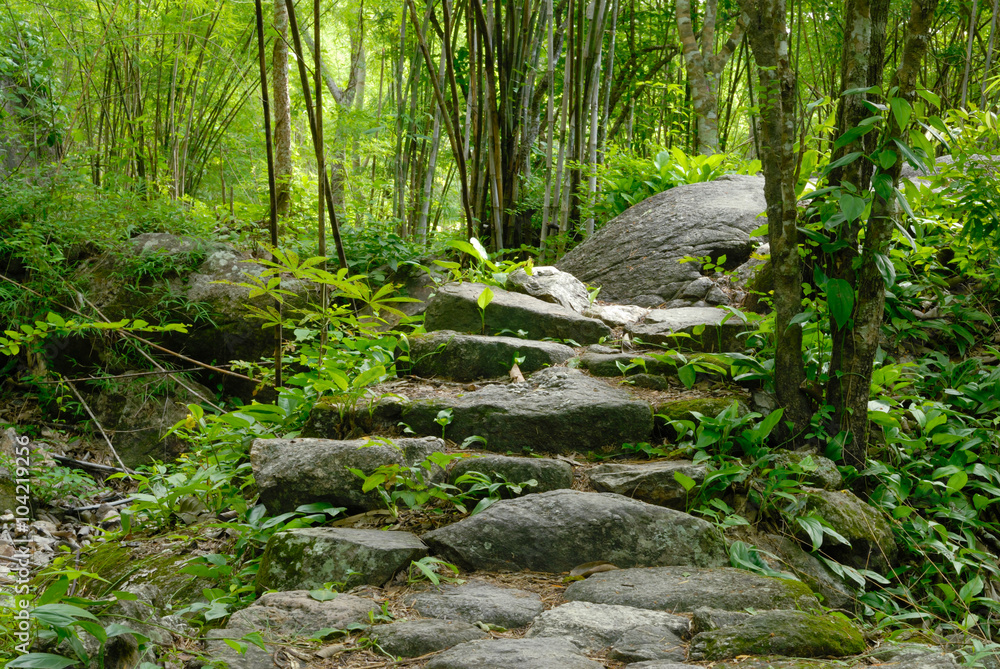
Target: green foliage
point(434, 570)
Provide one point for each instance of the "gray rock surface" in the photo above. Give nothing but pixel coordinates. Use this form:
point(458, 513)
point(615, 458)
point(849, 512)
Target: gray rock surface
point(476, 601)
point(872, 544)
point(649, 642)
point(707, 329)
point(788, 633)
point(616, 315)
point(454, 307)
point(293, 472)
point(412, 638)
point(684, 589)
point(706, 619)
point(308, 557)
point(637, 255)
point(596, 626)
point(916, 656)
point(279, 616)
point(464, 357)
point(652, 482)
point(551, 285)
point(659, 664)
point(559, 530)
point(558, 410)
point(792, 558)
point(606, 364)
point(514, 654)
point(550, 474)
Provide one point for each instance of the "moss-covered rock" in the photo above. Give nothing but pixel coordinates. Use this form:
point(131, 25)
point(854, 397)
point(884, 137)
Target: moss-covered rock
point(126, 566)
point(788, 633)
point(306, 558)
point(816, 470)
point(685, 410)
point(872, 545)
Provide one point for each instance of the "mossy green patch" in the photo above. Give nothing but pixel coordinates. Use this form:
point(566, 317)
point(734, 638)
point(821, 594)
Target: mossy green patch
point(787, 633)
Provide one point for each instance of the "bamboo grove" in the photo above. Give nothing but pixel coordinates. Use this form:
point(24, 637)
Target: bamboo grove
point(499, 119)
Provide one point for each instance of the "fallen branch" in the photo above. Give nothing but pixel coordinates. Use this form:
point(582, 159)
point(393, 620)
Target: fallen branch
point(81, 464)
point(95, 507)
point(96, 422)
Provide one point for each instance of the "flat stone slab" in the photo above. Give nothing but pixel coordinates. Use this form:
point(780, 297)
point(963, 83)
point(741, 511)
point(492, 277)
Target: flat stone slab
point(308, 557)
point(293, 472)
point(454, 307)
point(606, 364)
point(280, 616)
point(788, 633)
point(476, 601)
point(649, 642)
point(514, 654)
point(653, 482)
point(918, 656)
point(550, 474)
point(597, 626)
point(559, 530)
point(465, 357)
point(558, 410)
point(659, 664)
point(684, 589)
point(708, 329)
point(413, 638)
point(706, 619)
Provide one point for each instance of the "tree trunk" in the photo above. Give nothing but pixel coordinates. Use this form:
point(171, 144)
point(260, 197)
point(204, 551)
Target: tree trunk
point(852, 413)
point(769, 42)
point(989, 53)
point(282, 110)
point(704, 68)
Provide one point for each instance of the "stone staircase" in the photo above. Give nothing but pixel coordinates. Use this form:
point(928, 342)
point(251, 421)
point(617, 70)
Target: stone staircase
point(650, 586)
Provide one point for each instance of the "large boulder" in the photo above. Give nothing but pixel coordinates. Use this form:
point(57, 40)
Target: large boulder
point(464, 357)
point(454, 307)
point(293, 472)
point(635, 258)
point(559, 530)
point(412, 638)
point(684, 589)
point(308, 557)
point(558, 410)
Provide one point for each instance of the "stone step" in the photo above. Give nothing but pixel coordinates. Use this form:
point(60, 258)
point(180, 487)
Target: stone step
point(559, 530)
point(684, 589)
point(464, 357)
point(558, 410)
point(706, 329)
point(454, 307)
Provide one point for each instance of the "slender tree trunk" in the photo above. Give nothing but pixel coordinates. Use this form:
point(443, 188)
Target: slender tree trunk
point(973, 15)
point(852, 413)
point(989, 53)
point(704, 68)
point(282, 109)
point(769, 42)
point(431, 167)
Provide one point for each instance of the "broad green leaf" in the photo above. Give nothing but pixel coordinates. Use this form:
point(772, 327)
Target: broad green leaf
point(901, 111)
point(886, 158)
point(840, 299)
point(957, 481)
point(42, 661)
point(322, 595)
point(814, 529)
point(846, 160)
point(687, 374)
point(484, 298)
point(852, 206)
point(686, 482)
